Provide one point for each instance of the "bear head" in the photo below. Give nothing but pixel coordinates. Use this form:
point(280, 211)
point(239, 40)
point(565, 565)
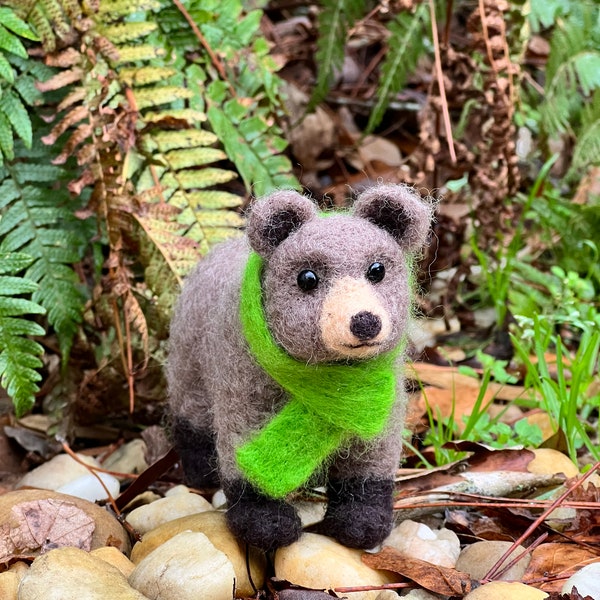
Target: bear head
point(337, 287)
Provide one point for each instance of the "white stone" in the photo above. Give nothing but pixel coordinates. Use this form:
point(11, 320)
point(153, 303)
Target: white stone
point(73, 574)
point(186, 567)
point(89, 488)
point(478, 558)
point(586, 580)
point(214, 526)
point(57, 472)
point(318, 562)
point(310, 512)
point(500, 590)
point(440, 547)
point(177, 489)
point(150, 516)
point(129, 458)
point(219, 500)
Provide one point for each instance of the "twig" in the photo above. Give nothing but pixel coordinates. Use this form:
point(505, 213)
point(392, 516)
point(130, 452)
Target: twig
point(213, 57)
point(368, 588)
point(440, 79)
point(495, 568)
point(91, 469)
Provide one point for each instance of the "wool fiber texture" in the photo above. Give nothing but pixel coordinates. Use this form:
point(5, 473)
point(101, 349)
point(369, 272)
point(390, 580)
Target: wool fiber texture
point(328, 402)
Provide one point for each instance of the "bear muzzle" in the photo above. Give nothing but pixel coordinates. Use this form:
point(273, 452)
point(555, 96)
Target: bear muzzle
point(353, 322)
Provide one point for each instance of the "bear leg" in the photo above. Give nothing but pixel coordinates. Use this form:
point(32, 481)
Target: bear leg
point(258, 520)
point(359, 512)
point(197, 451)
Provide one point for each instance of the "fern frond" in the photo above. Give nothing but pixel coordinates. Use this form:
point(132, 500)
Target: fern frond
point(335, 19)
point(405, 46)
point(43, 226)
point(19, 356)
point(573, 67)
point(587, 149)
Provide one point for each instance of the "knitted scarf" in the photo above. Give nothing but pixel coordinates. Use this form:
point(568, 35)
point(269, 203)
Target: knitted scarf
point(328, 403)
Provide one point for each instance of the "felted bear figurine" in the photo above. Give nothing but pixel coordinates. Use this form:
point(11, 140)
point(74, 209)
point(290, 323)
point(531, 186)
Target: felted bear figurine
point(283, 359)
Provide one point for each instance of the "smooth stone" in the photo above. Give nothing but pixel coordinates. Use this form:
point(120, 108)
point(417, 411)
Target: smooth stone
point(177, 489)
point(57, 472)
point(478, 558)
point(310, 512)
point(89, 488)
point(9, 585)
point(318, 562)
point(586, 580)
point(115, 558)
point(214, 526)
point(548, 461)
point(73, 574)
point(129, 458)
point(499, 590)
point(219, 500)
point(107, 532)
point(186, 567)
point(440, 547)
point(182, 504)
point(420, 594)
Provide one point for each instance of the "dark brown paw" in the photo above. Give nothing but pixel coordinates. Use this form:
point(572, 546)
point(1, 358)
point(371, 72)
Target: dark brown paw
point(258, 520)
point(359, 513)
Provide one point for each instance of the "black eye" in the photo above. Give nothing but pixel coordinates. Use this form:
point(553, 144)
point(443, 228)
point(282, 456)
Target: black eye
point(307, 280)
point(376, 272)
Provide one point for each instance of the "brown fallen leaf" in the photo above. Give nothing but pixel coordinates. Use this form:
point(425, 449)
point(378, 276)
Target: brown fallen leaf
point(560, 560)
point(41, 525)
point(449, 378)
point(436, 579)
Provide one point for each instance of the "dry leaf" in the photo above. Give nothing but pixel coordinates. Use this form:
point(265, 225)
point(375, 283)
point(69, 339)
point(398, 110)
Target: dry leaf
point(449, 378)
point(436, 579)
point(455, 402)
point(41, 525)
point(561, 560)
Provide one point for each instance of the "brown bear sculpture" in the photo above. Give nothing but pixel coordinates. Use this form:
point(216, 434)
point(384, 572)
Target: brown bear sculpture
point(283, 363)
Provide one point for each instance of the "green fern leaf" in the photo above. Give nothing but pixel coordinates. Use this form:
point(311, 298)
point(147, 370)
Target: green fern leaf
point(10, 20)
point(11, 43)
point(19, 356)
point(43, 226)
point(335, 19)
point(405, 46)
point(13, 109)
point(128, 32)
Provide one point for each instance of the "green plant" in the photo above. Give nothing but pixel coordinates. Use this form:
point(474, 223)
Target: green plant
point(19, 355)
point(478, 426)
point(406, 43)
point(571, 101)
point(566, 391)
point(134, 179)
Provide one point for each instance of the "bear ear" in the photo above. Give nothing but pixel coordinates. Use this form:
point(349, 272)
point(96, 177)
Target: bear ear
point(274, 218)
point(399, 210)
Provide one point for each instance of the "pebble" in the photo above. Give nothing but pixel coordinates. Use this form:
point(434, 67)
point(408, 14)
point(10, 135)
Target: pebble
point(175, 505)
point(478, 558)
point(586, 580)
point(107, 531)
point(440, 547)
point(499, 590)
point(89, 488)
point(115, 558)
point(129, 458)
point(57, 472)
point(213, 525)
point(73, 574)
point(318, 562)
point(186, 567)
point(9, 584)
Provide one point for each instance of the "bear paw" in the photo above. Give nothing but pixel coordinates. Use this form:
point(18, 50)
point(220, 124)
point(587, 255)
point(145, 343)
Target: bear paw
point(359, 513)
point(258, 520)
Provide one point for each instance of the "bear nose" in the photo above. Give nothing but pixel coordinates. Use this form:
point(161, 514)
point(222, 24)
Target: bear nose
point(365, 325)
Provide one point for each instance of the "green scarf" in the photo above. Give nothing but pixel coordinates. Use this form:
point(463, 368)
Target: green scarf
point(328, 405)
